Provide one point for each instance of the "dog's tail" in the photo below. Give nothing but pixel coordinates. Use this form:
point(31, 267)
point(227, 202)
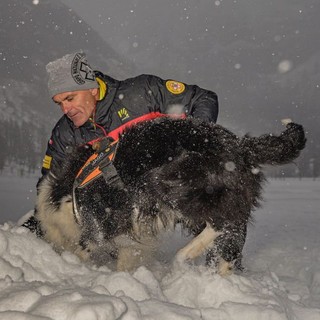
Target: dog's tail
point(273, 150)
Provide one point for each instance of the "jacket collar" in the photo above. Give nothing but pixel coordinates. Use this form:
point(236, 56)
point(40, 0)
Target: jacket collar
point(103, 106)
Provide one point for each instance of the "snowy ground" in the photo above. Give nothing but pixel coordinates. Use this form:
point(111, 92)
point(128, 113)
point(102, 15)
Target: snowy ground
point(17, 195)
point(282, 280)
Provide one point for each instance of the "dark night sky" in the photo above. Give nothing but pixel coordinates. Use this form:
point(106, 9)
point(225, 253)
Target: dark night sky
point(236, 48)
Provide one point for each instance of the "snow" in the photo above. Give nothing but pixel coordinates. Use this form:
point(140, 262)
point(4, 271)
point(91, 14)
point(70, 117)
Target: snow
point(17, 195)
point(281, 280)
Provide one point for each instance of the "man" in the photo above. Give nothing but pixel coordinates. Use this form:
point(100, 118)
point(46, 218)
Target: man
point(94, 104)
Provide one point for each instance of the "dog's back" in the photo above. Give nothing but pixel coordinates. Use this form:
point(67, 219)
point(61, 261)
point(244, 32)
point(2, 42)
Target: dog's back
point(206, 171)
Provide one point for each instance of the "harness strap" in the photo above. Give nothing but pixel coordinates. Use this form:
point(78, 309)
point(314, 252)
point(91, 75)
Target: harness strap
point(101, 162)
point(114, 134)
point(97, 164)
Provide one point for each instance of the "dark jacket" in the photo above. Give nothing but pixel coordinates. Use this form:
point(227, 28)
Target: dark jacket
point(125, 101)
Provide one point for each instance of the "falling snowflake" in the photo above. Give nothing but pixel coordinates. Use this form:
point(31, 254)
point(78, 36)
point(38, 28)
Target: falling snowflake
point(255, 170)
point(230, 166)
point(284, 66)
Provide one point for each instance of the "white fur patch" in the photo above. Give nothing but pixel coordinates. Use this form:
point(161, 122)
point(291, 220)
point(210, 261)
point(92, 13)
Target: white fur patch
point(198, 245)
point(225, 268)
point(286, 121)
point(131, 257)
point(138, 248)
point(58, 225)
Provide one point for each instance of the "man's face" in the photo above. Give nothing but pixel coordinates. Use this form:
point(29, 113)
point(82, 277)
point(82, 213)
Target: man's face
point(78, 106)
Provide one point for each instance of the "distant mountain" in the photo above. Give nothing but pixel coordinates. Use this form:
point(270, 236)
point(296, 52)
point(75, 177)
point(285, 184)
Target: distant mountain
point(32, 33)
point(263, 63)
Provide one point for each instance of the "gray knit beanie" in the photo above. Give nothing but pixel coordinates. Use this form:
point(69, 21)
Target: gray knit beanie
point(70, 73)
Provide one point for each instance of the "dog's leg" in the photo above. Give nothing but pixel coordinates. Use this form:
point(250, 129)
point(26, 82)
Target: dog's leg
point(134, 254)
point(129, 258)
point(227, 251)
point(198, 245)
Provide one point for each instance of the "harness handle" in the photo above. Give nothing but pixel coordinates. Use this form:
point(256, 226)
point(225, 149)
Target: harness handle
point(97, 164)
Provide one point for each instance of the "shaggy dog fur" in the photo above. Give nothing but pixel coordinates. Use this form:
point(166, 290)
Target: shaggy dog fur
point(173, 171)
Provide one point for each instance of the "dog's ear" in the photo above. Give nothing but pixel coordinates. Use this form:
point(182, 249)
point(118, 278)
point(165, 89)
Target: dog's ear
point(274, 150)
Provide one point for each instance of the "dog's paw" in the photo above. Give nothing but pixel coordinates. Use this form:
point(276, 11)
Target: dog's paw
point(225, 268)
point(180, 263)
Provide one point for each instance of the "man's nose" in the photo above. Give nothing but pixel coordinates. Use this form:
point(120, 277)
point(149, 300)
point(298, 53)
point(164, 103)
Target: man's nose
point(65, 107)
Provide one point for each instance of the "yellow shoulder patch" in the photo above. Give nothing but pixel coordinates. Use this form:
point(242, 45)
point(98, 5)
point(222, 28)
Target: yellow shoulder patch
point(175, 87)
point(46, 162)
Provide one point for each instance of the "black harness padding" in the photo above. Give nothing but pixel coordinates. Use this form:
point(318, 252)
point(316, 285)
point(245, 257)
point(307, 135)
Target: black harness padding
point(103, 165)
point(110, 172)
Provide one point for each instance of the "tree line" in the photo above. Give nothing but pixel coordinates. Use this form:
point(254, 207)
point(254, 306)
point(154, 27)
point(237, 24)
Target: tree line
point(22, 145)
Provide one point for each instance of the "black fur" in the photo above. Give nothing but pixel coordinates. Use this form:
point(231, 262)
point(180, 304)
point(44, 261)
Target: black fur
point(202, 172)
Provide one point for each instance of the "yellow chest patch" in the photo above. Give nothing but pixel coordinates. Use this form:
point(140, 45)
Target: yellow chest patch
point(123, 114)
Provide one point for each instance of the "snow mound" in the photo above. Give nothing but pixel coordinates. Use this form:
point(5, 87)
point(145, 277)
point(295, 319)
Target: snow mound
point(36, 283)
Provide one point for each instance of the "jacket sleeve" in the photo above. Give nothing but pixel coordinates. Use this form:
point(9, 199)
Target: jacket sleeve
point(52, 157)
point(204, 105)
point(58, 145)
point(189, 99)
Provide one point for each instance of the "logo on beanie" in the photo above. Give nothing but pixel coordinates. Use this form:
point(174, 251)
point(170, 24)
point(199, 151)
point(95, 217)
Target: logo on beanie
point(80, 70)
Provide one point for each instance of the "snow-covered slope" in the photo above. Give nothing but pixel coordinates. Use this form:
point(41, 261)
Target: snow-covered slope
point(32, 33)
point(282, 280)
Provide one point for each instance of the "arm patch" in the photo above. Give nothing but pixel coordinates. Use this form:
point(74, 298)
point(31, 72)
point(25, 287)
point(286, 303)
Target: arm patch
point(175, 87)
point(46, 163)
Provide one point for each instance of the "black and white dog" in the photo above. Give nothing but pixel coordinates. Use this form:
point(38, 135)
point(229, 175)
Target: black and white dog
point(172, 171)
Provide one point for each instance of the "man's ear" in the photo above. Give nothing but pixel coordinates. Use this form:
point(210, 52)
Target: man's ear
point(94, 91)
